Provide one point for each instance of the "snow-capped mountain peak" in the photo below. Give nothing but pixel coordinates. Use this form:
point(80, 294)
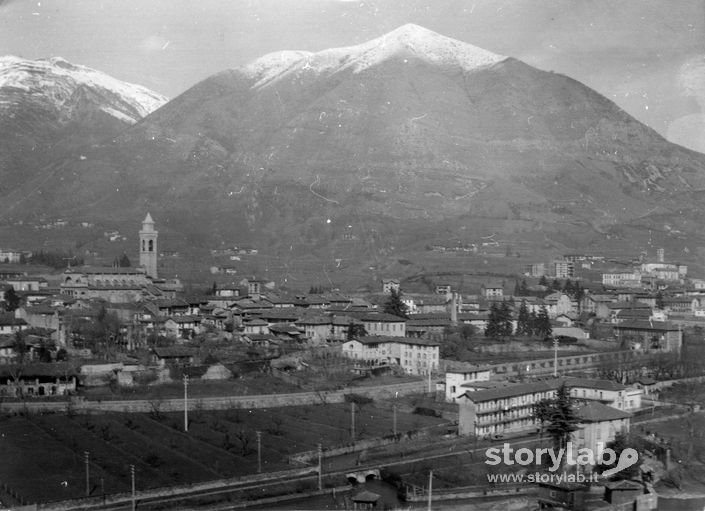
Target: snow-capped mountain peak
point(408, 40)
point(56, 82)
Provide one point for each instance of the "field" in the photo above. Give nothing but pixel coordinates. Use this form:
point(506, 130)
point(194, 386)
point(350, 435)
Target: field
point(46, 452)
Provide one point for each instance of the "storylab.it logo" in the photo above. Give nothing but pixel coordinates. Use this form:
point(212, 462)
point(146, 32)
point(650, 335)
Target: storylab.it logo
point(555, 459)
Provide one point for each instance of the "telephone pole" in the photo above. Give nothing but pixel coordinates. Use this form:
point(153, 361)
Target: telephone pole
point(555, 357)
point(259, 451)
point(320, 467)
point(86, 457)
point(132, 477)
point(352, 421)
point(430, 489)
point(186, 402)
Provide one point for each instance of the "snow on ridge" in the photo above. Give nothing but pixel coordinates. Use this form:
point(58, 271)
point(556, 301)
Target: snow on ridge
point(272, 65)
point(58, 78)
point(408, 39)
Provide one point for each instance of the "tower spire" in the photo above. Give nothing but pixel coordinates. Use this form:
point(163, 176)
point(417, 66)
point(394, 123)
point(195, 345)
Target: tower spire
point(148, 246)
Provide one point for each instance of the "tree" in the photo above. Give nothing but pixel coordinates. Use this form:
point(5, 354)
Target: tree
point(492, 329)
point(524, 326)
point(499, 323)
point(20, 347)
point(355, 331)
point(556, 285)
point(543, 281)
point(559, 416)
point(524, 287)
point(124, 261)
point(395, 306)
point(505, 320)
point(542, 325)
point(12, 301)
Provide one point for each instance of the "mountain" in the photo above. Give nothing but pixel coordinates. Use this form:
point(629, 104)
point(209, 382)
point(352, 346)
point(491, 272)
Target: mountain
point(408, 133)
point(49, 106)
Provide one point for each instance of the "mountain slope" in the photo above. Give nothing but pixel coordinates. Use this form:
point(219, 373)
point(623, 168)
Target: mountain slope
point(401, 132)
point(52, 105)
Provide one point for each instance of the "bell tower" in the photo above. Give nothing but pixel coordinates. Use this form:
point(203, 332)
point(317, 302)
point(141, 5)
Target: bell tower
point(148, 247)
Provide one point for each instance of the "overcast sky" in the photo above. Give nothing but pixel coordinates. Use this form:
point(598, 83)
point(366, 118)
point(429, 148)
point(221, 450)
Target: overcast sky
point(646, 55)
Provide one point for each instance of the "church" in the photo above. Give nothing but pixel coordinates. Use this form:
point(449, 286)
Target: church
point(119, 284)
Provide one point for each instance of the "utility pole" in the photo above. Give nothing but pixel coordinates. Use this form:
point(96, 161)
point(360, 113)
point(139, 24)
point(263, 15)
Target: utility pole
point(259, 451)
point(86, 457)
point(352, 421)
point(555, 357)
point(320, 467)
point(186, 402)
point(394, 423)
point(430, 489)
point(132, 477)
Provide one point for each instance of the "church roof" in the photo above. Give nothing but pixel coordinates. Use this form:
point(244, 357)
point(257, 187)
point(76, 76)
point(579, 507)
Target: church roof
point(148, 219)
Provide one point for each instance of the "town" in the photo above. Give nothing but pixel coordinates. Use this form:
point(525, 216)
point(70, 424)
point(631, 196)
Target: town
point(93, 355)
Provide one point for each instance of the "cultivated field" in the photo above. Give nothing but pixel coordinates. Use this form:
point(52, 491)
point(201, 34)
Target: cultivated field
point(44, 454)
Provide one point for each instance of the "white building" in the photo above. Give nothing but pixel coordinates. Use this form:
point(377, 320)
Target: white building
point(456, 377)
point(415, 356)
point(622, 279)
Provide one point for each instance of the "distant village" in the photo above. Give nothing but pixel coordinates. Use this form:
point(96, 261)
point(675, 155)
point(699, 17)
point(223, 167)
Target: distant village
point(124, 325)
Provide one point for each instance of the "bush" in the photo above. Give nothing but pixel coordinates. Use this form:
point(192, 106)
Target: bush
point(358, 399)
point(430, 412)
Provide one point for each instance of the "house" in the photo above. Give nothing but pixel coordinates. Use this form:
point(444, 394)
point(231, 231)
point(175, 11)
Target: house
point(558, 303)
point(607, 392)
point(562, 495)
point(599, 424)
point(443, 289)
point(429, 327)
point(414, 356)
point(458, 374)
point(183, 327)
point(597, 304)
point(10, 324)
point(650, 336)
point(255, 326)
point(38, 379)
point(340, 328)
point(680, 304)
point(389, 285)
point(172, 355)
point(381, 323)
point(492, 290)
point(317, 328)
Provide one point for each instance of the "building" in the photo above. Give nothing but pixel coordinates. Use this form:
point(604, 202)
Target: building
point(107, 283)
point(461, 374)
point(389, 285)
point(650, 336)
point(148, 247)
point(493, 290)
point(414, 356)
point(535, 270)
point(607, 392)
point(384, 324)
point(599, 424)
point(510, 408)
point(563, 269)
point(503, 409)
point(622, 279)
